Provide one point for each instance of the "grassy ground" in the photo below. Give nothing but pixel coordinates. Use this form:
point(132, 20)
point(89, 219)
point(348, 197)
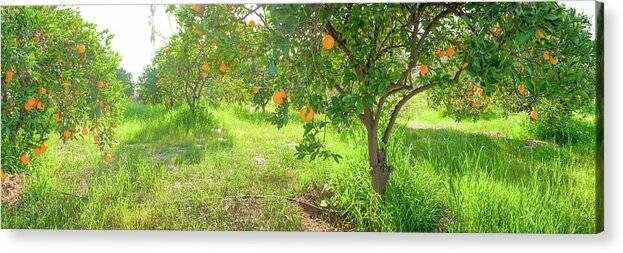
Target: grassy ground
point(173, 173)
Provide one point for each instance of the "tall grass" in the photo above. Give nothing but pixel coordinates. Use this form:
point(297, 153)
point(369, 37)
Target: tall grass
point(176, 170)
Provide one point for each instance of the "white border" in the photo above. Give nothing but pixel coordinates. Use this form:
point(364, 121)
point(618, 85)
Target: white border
point(163, 241)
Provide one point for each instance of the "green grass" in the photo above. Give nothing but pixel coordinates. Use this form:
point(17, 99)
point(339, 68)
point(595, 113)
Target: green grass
point(173, 172)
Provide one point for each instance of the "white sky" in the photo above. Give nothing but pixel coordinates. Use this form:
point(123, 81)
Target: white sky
point(130, 26)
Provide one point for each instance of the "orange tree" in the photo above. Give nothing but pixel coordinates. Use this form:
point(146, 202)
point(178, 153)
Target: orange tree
point(198, 60)
point(58, 77)
point(364, 62)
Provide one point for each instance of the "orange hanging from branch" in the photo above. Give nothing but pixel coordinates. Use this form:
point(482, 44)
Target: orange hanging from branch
point(279, 97)
point(307, 114)
point(328, 42)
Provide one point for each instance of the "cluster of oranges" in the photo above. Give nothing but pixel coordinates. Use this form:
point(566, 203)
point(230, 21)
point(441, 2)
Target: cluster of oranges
point(548, 57)
point(443, 53)
point(37, 150)
point(33, 102)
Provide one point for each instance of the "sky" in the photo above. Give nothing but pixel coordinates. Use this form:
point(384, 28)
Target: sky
point(130, 25)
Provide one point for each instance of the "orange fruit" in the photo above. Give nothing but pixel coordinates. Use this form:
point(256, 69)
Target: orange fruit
point(533, 115)
point(85, 131)
point(553, 61)
point(328, 42)
point(204, 67)
point(307, 114)
point(66, 135)
point(108, 157)
point(230, 7)
point(522, 89)
point(25, 159)
point(43, 91)
point(43, 147)
point(81, 48)
point(424, 69)
point(39, 105)
point(8, 76)
point(197, 8)
point(279, 97)
point(251, 23)
point(222, 68)
point(101, 85)
point(546, 55)
point(3, 176)
point(37, 150)
point(32, 102)
point(451, 52)
point(256, 90)
point(57, 116)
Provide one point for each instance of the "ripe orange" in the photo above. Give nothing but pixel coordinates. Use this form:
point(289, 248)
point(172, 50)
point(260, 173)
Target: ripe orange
point(451, 52)
point(222, 68)
point(546, 55)
point(57, 116)
point(25, 159)
point(101, 85)
point(43, 91)
point(533, 115)
point(307, 114)
point(251, 23)
point(43, 147)
point(279, 97)
point(256, 90)
point(204, 67)
point(8, 76)
point(108, 157)
point(424, 69)
point(37, 150)
point(522, 89)
point(81, 48)
point(553, 61)
point(197, 8)
point(85, 131)
point(66, 135)
point(32, 102)
point(39, 105)
point(328, 42)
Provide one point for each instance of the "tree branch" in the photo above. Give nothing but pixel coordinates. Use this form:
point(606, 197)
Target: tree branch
point(341, 42)
point(398, 107)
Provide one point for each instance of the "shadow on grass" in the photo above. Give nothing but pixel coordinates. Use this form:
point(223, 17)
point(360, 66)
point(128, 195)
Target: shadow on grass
point(177, 136)
point(508, 160)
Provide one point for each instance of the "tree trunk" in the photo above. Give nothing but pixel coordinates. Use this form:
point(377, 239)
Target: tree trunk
point(379, 169)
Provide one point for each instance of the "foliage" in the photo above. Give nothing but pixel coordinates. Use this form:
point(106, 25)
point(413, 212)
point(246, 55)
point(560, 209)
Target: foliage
point(125, 78)
point(58, 76)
